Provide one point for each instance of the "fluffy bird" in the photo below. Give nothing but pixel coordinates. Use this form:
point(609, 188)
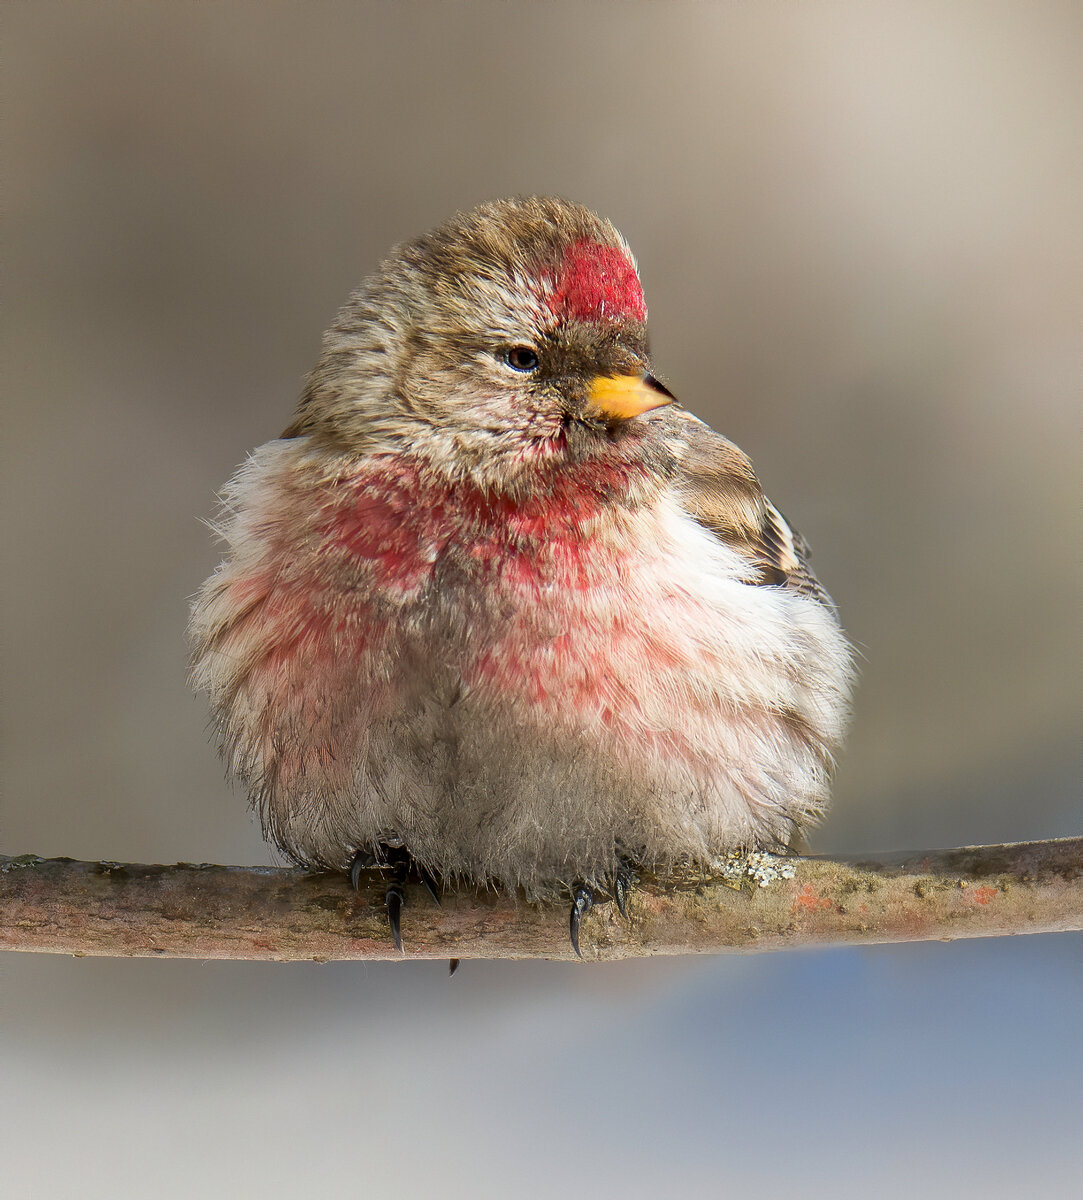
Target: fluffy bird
point(496, 608)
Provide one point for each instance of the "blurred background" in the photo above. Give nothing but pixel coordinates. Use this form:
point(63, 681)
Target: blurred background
point(858, 227)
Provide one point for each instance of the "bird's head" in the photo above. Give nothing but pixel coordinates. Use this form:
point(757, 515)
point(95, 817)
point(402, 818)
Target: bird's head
point(510, 337)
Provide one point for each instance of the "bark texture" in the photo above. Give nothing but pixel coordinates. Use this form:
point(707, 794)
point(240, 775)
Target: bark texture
point(203, 911)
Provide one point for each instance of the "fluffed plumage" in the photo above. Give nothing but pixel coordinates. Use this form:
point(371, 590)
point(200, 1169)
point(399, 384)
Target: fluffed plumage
point(491, 599)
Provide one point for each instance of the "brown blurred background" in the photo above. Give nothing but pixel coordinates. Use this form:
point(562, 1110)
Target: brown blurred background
point(858, 227)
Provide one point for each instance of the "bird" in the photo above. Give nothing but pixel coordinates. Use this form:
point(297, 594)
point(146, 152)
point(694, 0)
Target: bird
point(496, 609)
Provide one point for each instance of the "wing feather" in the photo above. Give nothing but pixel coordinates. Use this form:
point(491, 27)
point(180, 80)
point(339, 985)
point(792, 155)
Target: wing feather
point(719, 488)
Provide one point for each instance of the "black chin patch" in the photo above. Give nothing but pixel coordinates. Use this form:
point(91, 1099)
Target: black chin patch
point(588, 436)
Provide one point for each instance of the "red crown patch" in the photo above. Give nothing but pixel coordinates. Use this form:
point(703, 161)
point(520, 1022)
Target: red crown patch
point(597, 283)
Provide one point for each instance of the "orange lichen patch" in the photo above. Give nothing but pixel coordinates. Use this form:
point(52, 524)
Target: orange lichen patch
point(652, 903)
point(984, 894)
point(807, 899)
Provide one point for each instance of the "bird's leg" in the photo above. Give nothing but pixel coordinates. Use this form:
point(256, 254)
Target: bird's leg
point(403, 870)
point(582, 903)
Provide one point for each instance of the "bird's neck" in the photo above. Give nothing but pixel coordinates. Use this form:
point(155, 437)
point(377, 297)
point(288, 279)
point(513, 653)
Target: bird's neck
point(554, 500)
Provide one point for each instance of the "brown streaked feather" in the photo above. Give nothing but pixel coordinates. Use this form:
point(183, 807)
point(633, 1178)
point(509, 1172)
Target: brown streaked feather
point(719, 488)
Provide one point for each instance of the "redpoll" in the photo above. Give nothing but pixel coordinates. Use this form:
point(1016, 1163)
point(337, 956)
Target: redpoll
point(494, 607)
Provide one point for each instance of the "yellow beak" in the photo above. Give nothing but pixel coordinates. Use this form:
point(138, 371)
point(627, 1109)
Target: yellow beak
point(625, 396)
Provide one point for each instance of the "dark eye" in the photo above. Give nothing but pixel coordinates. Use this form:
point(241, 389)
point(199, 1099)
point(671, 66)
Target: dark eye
point(521, 358)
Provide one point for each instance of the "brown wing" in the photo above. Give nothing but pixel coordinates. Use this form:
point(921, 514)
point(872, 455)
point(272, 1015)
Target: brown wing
point(719, 488)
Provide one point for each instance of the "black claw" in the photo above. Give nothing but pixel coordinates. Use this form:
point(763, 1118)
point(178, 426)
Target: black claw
point(430, 884)
point(452, 966)
point(394, 900)
point(620, 893)
point(582, 903)
point(361, 861)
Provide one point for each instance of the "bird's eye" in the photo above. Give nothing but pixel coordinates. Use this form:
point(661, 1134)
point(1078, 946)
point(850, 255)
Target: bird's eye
point(521, 358)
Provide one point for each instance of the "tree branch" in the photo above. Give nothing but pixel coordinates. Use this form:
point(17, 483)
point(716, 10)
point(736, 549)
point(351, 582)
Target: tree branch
point(202, 911)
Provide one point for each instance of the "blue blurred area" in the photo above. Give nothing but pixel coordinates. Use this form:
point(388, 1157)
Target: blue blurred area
point(858, 230)
point(946, 1069)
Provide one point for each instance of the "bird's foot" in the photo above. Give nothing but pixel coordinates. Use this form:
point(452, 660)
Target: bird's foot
point(584, 897)
point(401, 870)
